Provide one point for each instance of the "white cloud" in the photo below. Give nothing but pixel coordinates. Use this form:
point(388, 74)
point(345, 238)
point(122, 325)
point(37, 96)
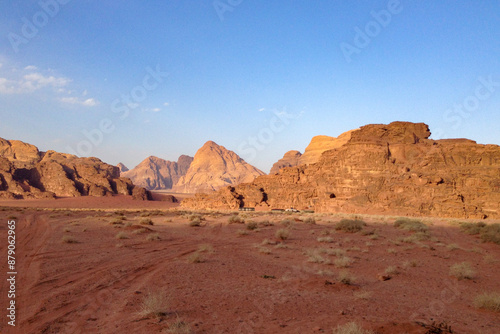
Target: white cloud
point(262, 109)
point(85, 93)
point(156, 109)
point(1, 65)
point(30, 83)
point(74, 100)
point(30, 68)
point(166, 104)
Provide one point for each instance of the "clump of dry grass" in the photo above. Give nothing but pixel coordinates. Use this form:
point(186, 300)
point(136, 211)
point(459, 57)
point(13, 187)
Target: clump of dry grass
point(488, 301)
point(412, 225)
point(343, 262)
point(121, 235)
point(314, 256)
point(310, 220)
point(67, 229)
point(462, 271)
point(452, 247)
point(140, 231)
point(325, 239)
point(472, 228)
point(146, 221)
point(410, 263)
point(264, 250)
point(178, 327)
point(242, 232)
point(265, 223)
point(282, 234)
point(196, 257)
point(392, 270)
point(345, 277)
point(351, 328)
point(68, 239)
point(350, 225)
point(236, 219)
point(195, 222)
point(491, 233)
point(154, 304)
point(363, 294)
point(153, 237)
point(205, 248)
point(251, 225)
point(287, 222)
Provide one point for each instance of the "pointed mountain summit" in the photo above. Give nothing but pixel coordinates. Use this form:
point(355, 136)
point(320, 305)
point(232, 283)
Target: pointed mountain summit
point(154, 173)
point(122, 167)
point(215, 167)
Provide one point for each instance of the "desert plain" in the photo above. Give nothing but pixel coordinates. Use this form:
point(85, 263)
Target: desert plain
point(116, 265)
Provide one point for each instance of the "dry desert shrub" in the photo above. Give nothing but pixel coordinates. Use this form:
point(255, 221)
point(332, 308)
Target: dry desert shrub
point(195, 222)
point(391, 270)
point(140, 231)
point(391, 251)
point(264, 250)
point(452, 247)
point(491, 233)
point(242, 232)
point(412, 225)
point(68, 239)
point(67, 229)
point(363, 294)
point(282, 234)
point(153, 237)
point(350, 328)
point(350, 225)
point(314, 256)
point(205, 248)
point(178, 327)
point(472, 228)
point(154, 304)
point(121, 235)
point(251, 225)
point(488, 301)
point(462, 271)
point(196, 257)
point(325, 239)
point(265, 223)
point(287, 222)
point(235, 219)
point(310, 220)
point(146, 221)
point(343, 262)
point(345, 277)
point(410, 264)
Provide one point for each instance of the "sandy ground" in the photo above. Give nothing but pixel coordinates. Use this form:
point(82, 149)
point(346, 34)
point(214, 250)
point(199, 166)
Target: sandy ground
point(246, 281)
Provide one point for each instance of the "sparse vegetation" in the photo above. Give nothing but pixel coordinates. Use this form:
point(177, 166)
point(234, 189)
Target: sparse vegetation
point(195, 222)
point(140, 231)
point(265, 223)
point(146, 221)
point(121, 235)
point(68, 239)
point(264, 250)
point(178, 327)
point(363, 294)
point(205, 248)
point(491, 233)
point(412, 225)
point(488, 301)
point(154, 304)
point(343, 262)
point(472, 228)
point(314, 256)
point(345, 277)
point(251, 225)
point(242, 232)
point(196, 257)
point(153, 237)
point(391, 251)
point(235, 219)
point(283, 234)
point(391, 270)
point(462, 271)
point(310, 220)
point(287, 222)
point(351, 328)
point(325, 239)
point(410, 263)
point(350, 225)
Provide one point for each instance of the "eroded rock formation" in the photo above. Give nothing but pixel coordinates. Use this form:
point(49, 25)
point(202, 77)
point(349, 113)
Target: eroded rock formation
point(215, 167)
point(25, 172)
point(154, 173)
point(386, 169)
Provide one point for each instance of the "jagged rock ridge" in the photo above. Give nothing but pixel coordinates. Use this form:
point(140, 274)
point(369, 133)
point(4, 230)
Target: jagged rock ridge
point(214, 167)
point(386, 169)
point(154, 173)
point(25, 172)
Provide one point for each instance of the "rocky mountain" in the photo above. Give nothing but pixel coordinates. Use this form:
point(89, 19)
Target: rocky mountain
point(25, 172)
point(384, 169)
point(154, 173)
point(122, 167)
point(312, 153)
point(214, 167)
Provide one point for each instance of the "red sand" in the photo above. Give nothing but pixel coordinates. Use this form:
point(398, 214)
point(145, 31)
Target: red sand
point(98, 284)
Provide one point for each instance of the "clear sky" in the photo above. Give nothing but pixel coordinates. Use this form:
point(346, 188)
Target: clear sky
point(122, 80)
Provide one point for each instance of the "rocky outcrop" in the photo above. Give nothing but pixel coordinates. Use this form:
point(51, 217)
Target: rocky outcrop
point(290, 159)
point(27, 173)
point(312, 153)
point(383, 169)
point(122, 167)
point(154, 173)
point(214, 167)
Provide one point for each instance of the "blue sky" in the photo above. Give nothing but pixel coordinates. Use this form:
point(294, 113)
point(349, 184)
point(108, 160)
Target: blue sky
point(125, 80)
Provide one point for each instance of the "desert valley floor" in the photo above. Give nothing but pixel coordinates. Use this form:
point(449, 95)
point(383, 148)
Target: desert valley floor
point(110, 265)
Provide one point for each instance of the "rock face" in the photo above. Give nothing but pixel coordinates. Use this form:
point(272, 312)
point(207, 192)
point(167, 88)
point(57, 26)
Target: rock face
point(290, 159)
point(215, 167)
point(154, 173)
point(122, 167)
point(384, 169)
point(312, 153)
point(27, 173)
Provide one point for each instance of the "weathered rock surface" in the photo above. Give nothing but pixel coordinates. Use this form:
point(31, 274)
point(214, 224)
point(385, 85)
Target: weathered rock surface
point(122, 167)
point(312, 153)
point(215, 167)
point(154, 173)
point(290, 159)
point(384, 169)
point(27, 173)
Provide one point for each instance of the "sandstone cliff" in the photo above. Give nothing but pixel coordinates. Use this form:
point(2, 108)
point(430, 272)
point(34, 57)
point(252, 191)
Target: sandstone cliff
point(385, 169)
point(27, 173)
point(312, 153)
point(214, 167)
point(154, 173)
